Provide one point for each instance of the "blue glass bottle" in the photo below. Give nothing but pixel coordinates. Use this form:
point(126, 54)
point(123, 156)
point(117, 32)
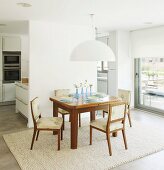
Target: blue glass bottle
point(76, 94)
point(86, 92)
point(82, 91)
point(90, 86)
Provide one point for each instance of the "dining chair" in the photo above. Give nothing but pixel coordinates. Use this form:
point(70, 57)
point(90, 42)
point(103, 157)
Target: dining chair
point(125, 95)
point(44, 123)
point(114, 123)
point(64, 93)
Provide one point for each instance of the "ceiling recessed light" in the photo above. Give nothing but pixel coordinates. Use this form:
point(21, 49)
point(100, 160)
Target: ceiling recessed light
point(148, 23)
point(24, 4)
point(2, 25)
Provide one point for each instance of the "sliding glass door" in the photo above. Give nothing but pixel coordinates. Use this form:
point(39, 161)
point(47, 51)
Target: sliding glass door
point(149, 84)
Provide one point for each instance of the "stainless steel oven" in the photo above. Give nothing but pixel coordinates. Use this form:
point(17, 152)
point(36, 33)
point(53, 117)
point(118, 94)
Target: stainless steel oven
point(11, 66)
point(11, 58)
point(11, 74)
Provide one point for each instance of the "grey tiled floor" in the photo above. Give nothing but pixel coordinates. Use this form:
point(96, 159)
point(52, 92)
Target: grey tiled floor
point(10, 122)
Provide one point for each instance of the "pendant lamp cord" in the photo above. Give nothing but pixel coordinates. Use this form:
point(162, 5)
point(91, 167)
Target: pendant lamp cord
point(94, 28)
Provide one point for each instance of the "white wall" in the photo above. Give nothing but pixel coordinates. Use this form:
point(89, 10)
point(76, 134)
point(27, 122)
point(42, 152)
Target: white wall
point(124, 60)
point(125, 63)
point(113, 41)
point(25, 55)
point(148, 42)
point(50, 65)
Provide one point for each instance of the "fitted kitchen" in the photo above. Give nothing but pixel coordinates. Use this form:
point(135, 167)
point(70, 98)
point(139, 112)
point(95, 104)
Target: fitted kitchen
point(14, 68)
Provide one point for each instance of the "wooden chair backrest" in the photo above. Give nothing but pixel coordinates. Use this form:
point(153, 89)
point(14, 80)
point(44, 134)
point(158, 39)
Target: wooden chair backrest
point(116, 113)
point(35, 110)
point(62, 92)
point(125, 95)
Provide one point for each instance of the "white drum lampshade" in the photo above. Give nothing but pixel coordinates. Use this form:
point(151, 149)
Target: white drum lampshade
point(92, 50)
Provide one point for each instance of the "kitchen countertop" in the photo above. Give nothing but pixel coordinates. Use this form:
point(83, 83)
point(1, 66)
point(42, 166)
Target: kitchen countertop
point(23, 85)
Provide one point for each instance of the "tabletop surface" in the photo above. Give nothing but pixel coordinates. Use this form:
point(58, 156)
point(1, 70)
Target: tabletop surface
point(83, 100)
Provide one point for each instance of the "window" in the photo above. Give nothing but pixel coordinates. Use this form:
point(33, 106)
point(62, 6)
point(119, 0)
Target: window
point(150, 83)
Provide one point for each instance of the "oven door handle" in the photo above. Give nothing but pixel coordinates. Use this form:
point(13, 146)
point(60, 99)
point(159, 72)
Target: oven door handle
point(3, 93)
point(11, 68)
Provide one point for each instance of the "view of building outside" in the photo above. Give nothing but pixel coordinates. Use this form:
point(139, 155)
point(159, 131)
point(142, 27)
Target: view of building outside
point(152, 82)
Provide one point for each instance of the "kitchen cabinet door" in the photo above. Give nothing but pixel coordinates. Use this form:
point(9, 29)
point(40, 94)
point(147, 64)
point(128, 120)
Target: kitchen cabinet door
point(11, 44)
point(21, 107)
point(8, 92)
point(0, 43)
point(0, 58)
point(1, 71)
point(22, 94)
point(0, 92)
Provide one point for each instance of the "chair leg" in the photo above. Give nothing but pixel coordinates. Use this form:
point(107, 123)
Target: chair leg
point(103, 113)
point(37, 135)
point(58, 140)
point(69, 118)
point(109, 144)
point(90, 135)
point(61, 133)
point(33, 138)
point(124, 137)
point(63, 122)
point(79, 120)
point(129, 117)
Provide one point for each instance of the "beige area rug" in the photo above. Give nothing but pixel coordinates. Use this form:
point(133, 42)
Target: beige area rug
point(142, 141)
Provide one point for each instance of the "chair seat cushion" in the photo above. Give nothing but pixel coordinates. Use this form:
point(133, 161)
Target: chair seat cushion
point(61, 111)
point(50, 123)
point(101, 124)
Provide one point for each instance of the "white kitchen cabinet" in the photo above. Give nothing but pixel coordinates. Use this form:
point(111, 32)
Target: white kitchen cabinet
point(0, 91)
point(8, 92)
point(11, 44)
point(0, 69)
point(22, 108)
point(22, 99)
point(22, 94)
point(0, 58)
point(0, 43)
point(102, 85)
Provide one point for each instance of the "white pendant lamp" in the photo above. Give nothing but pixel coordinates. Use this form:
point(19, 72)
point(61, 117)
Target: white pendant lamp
point(92, 50)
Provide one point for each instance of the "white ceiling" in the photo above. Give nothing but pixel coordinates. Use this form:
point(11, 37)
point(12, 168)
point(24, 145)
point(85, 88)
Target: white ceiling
point(109, 14)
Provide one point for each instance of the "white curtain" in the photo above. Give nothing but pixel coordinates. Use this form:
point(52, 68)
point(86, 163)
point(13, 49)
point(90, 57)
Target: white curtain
point(147, 42)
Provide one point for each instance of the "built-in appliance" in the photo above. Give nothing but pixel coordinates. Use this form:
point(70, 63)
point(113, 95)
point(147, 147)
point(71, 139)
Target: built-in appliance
point(11, 74)
point(11, 59)
point(11, 67)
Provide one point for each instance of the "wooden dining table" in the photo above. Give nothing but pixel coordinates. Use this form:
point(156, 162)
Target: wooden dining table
point(80, 105)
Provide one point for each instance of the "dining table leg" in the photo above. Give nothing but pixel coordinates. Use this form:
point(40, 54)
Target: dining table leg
point(55, 114)
point(92, 115)
point(74, 129)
